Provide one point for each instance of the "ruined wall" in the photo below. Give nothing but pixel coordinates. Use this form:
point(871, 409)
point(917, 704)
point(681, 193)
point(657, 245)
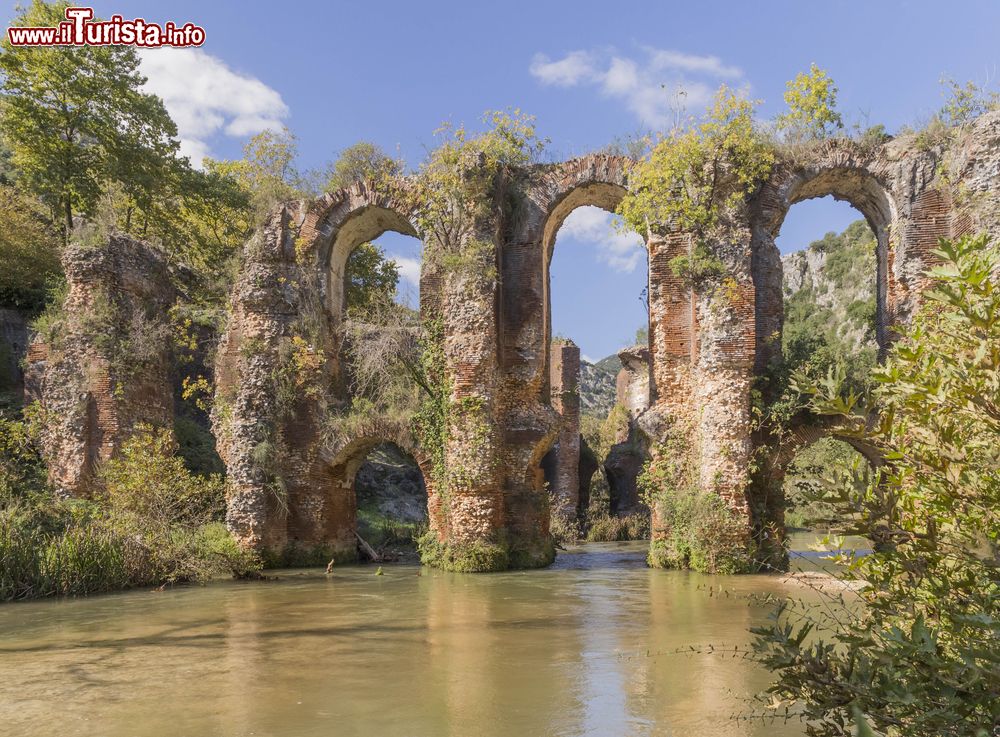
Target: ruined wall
point(711, 344)
point(632, 385)
point(911, 194)
point(564, 393)
point(105, 367)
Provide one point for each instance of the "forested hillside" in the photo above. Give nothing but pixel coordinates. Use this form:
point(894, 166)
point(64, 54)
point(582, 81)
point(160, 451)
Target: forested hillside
point(829, 319)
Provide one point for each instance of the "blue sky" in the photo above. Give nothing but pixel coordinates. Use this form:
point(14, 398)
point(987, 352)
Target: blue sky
point(391, 72)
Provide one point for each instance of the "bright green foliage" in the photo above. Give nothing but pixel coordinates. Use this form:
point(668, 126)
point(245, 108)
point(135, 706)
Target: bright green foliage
point(369, 278)
point(359, 162)
point(266, 172)
point(696, 176)
point(919, 653)
point(965, 102)
point(155, 524)
point(77, 118)
point(810, 474)
point(812, 106)
point(454, 185)
point(29, 252)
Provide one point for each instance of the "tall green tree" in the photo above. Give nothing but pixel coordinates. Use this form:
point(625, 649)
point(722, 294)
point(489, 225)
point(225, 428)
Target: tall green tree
point(29, 252)
point(76, 118)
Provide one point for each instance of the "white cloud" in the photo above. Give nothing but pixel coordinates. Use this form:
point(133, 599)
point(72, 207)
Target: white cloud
point(409, 268)
point(566, 72)
point(709, 65)
point(654, 87)
point(205, 97)
point(587, 358)
point(621, 251)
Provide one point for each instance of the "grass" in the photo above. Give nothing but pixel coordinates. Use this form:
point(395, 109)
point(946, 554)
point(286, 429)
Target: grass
point(607, 528)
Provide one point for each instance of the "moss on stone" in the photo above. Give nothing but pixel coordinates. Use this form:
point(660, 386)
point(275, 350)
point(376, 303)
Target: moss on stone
point(473, 557)
point(538, 553)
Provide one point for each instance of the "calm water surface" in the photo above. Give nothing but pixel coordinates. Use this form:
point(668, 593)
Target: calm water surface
point(586, 647)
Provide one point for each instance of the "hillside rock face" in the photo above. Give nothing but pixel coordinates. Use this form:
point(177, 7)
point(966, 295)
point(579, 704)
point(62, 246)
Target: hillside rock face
point(835, 275)
point(802, 270)
point(597, 389)
point(105, 367)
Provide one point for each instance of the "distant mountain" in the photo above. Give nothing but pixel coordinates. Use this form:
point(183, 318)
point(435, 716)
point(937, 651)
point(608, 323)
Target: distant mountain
point(597, 385)
point(610, 363)
point(830, 289)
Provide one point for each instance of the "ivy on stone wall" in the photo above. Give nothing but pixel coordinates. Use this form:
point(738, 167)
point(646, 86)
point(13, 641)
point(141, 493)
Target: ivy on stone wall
point(692, 527)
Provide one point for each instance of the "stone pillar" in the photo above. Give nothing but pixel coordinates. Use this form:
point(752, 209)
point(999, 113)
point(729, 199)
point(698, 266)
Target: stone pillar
point(468, 512)
point(105, 368)
point(632, 385)
point(564, 394)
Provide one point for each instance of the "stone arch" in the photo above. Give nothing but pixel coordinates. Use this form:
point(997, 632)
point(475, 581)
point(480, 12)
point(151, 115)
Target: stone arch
point(845, 173)
point(801, 435)
point(338, 222)
point(596, 181)
point(324, 517)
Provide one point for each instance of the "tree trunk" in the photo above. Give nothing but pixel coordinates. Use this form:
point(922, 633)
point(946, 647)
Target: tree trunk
point(68, 204)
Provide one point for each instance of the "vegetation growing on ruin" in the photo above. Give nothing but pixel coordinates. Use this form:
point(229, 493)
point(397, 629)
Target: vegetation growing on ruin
point(693, 527)
point(812, 106)
point(919, 656)
point(695, 176)
point(152, 522)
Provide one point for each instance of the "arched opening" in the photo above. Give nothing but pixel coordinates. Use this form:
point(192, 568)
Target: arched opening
point(596, 321)
point(821, 277)
point(822, 469)
point(843, 198)
point(368, 224)
point(833, 290)
point(391, 502)
point(373, 298)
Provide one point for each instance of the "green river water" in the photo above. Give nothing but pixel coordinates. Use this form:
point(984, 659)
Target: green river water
point(586, 647)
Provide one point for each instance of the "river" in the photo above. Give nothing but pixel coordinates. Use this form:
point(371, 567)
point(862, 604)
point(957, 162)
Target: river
point(586, 647)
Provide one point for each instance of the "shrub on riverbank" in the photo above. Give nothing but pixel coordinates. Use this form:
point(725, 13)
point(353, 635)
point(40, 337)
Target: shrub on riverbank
point(920, 654)
point(154, 523)
point(609, 528)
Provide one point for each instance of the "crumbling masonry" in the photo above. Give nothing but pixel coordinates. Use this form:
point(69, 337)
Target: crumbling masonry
point(291, 469)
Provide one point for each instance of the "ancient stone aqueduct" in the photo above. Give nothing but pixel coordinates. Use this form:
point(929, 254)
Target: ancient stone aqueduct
point(705, 349)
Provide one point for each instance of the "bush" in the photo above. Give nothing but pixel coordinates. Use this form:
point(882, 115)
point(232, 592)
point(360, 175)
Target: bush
point(155, 523)
point(606, 528)
point(918, 653)
point(696, 529)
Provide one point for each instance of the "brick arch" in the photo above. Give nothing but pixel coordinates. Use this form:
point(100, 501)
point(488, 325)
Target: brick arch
point(598, 180)
point(338, 222)
point(350, 449)
point(801, 435)
point(846, 172)
point(324, 516)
